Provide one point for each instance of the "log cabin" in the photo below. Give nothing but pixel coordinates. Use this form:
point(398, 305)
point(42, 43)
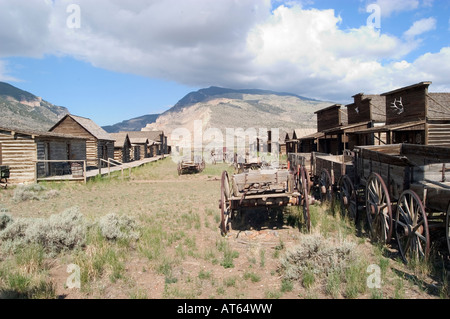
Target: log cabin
point(159, 137)
point(122, 147)
point(157, 142)
point(416, 116)
point(99, 144)
point(22, 150)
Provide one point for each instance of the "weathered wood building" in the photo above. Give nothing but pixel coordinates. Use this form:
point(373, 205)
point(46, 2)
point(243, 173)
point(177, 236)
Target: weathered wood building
point(99, 144)
point(155, 143)
point(122, 147)
point(294, 138)
point(160, 139)
point(367, 111)
point(22, 150)
point(330, 122)
point(416, 116)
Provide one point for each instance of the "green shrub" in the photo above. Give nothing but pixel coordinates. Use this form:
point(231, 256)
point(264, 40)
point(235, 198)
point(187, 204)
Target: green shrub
point(28, 192)
point(317, 255)
point(114, 227)
point(59, 232)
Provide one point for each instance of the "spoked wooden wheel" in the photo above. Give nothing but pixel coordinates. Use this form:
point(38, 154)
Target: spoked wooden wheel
point(447, 228)
point(411, 227)
point(225, 204)
point(378, 207)
point(325, 186)
point(304, 196)
point(347, 198)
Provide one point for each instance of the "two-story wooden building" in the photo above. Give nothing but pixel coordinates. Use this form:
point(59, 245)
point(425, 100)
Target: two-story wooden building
point(416, 116)
point(367, 111)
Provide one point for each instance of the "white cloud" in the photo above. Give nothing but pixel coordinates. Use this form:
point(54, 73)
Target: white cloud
point(389, 7)
point(239, 44)
point(421, 26)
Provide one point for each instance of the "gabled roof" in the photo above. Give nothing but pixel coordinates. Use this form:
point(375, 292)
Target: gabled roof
point(139, 140)
point(34, 133)
point(89, 125)
point(120, 139)
point(439, 105)
point(150, 135)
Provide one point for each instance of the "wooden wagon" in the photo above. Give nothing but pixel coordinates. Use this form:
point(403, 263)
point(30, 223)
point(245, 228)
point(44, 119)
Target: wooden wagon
point(261, 188)
point(407, 193)
point(4, 175)
point(190, 167)
point(326, 174)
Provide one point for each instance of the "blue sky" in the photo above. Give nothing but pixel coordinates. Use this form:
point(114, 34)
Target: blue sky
point(113, 60)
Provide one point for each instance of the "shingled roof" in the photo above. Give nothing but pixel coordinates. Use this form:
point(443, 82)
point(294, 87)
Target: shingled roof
point(150, 135)
point(89, 125)
point(119, 139)
point(439, 105)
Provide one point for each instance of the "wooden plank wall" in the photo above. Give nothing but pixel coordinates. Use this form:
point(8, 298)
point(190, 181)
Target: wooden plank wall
point(414, 105)
point(328, 119)
point(71, 127)
point(19, 153)
point(438, 134)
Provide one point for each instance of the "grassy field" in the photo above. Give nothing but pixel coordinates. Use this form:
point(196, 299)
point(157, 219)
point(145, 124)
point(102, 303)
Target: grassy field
point(156, 235)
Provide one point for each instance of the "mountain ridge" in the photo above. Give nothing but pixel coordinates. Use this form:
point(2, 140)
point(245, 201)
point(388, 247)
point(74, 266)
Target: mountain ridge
point(23, 109)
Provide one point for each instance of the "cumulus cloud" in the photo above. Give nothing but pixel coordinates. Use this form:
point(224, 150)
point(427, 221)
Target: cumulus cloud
point(238, 44)
point(421, 26)
point(388, 7)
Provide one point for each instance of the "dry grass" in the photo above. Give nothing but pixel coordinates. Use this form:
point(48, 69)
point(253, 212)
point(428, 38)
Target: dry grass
point(156, 236)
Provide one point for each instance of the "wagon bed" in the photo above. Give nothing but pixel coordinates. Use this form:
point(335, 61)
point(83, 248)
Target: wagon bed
point(259, 188)
point(407, 193)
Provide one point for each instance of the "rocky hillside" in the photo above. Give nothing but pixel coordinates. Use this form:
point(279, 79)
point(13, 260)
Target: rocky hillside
point(24, 110)
point(135, 124)
point(226, 108)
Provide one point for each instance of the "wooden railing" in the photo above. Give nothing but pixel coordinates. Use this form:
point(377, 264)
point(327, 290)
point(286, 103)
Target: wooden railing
point(115, 163)
point(83, 178)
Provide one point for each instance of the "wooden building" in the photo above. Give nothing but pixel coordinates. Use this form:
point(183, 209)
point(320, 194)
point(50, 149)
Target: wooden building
point(416, 116)
point(140, 148)
point(122, 147)
point(99, 144)
point(294, 139)
point(22, 150)
point(330, 122)
point(159, 137)
point(156, 145)
point(367, 111)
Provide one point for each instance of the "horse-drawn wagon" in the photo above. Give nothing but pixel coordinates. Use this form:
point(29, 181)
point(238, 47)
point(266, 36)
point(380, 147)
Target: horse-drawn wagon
point(265, 187)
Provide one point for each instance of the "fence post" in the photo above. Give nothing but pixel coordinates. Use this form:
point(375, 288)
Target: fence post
point(84, 170)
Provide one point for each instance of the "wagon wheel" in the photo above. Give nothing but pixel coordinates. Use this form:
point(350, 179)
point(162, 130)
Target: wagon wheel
point(325, 186)
point(411, 227)
point(447, 228)
point(378, 208)
point(347, 198)
point(225, 204)
point(304, 196)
